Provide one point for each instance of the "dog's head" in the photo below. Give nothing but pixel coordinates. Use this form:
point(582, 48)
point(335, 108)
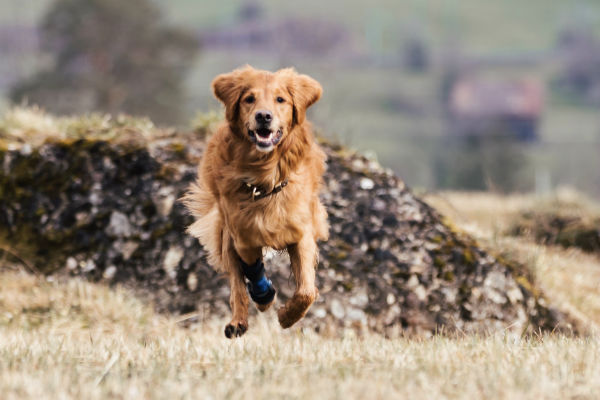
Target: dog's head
point(263, 106)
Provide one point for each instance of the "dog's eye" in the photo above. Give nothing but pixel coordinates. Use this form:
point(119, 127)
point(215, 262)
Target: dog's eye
point(280, 99)
point(249, 99)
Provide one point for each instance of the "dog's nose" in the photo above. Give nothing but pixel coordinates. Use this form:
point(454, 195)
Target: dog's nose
point(263, 116)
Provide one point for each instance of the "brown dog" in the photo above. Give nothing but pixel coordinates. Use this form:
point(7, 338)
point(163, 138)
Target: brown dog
point(257, 188)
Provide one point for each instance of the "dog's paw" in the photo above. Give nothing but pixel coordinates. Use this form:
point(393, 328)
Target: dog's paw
point(285, 318)
point(235, 329)
point(295, 308)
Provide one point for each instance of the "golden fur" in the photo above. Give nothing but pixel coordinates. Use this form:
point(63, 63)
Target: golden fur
point(229, 223)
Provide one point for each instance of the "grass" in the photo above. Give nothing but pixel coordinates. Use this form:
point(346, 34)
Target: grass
point(74, 339)
point(32, 126)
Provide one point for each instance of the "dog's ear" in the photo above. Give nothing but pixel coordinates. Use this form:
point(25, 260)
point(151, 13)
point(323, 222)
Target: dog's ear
point(228, 88)
point(305, 91)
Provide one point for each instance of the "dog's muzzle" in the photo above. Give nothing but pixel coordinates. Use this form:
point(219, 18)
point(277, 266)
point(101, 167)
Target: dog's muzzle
point(260, 288)
point(265, 138)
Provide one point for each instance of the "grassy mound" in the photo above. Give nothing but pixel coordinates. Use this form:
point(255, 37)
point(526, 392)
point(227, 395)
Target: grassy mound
point(561, 222)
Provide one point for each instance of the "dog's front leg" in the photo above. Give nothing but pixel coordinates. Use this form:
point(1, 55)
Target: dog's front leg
point(303, 257)
point(238, 299)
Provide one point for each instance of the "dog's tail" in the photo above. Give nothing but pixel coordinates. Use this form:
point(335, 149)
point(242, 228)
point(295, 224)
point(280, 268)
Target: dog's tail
point(208, 227)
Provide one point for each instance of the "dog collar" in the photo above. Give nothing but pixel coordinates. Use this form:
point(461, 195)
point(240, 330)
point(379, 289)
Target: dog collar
point(259, 193)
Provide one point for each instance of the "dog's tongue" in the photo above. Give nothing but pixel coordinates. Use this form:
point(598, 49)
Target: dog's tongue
point(263, 132)
point(263, 144)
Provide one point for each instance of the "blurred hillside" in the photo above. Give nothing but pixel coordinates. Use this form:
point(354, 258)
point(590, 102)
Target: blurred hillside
point(387, 68)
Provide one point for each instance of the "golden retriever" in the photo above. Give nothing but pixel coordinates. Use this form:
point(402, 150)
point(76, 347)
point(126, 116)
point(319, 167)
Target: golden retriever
point(258, 185)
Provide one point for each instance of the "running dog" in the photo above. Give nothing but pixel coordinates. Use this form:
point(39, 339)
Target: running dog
point(258, 187)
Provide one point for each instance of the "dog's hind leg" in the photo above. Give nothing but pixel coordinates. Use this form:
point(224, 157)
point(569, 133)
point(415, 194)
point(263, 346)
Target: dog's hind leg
point(238, 298)
point(303, 257)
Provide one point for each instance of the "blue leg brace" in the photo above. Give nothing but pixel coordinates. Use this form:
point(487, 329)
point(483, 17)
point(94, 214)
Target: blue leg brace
point(260, 288)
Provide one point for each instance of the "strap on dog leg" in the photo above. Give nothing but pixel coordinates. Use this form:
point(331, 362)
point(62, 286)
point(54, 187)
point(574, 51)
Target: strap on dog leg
point(260, 288)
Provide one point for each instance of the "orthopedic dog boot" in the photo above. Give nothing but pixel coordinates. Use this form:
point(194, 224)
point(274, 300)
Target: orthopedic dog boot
point(260, 288)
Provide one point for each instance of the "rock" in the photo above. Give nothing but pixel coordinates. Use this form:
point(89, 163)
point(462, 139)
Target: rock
point(127, 248)
point(360, 299)
point(89, 266)
point(106, 210)
point(356, 314)
point(164, 201)
point(319, 312)
point(119, 225)
point(337, 309)
point(71, 263)
point(172, 259)
point(390, 299)
point(366, 184)
point(192, 282)
point(109, 272)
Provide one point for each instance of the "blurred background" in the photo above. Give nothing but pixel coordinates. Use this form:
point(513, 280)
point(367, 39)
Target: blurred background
point(450, 94)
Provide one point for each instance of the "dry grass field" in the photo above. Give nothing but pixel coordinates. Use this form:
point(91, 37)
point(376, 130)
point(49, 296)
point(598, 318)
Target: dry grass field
point(77, 340)
point(74, 339)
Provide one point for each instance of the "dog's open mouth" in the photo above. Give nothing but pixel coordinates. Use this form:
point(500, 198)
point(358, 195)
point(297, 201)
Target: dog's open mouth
point(265, 138)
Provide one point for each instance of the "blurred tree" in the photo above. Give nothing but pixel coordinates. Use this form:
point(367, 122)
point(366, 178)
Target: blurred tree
point(251, 10)
point(579, 56)
point(493, 161)
point(416, 54)
point(111, 56)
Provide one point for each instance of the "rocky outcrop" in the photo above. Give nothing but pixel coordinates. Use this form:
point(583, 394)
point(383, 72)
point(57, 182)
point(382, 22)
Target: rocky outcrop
point(104, 206)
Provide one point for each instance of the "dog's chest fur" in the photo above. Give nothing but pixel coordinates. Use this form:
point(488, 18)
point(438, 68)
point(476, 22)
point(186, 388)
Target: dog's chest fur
point(275, 221)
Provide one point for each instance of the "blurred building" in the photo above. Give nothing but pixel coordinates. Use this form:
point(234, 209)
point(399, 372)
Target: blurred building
point(479, 107)
point(253, 30)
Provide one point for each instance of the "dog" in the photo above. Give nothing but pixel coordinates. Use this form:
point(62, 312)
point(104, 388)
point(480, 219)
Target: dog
point(258, 188)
